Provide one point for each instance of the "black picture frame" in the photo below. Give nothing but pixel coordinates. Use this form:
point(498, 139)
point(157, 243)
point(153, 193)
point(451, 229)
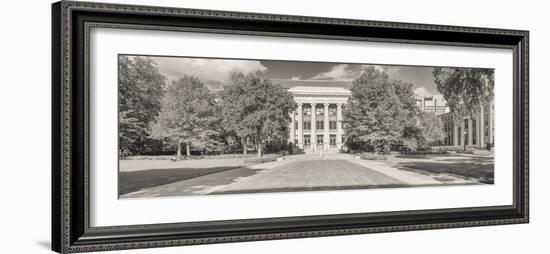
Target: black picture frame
point(71, 22)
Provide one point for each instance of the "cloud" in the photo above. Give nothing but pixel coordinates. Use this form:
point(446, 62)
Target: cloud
point(216, 70)
point(422, 92)
point(392, 71)
point(341, 72)
point(346, 72)
point(296, 78)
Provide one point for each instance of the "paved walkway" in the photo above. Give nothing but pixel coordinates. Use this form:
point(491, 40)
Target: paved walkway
point(320, 174)
point(301, 173)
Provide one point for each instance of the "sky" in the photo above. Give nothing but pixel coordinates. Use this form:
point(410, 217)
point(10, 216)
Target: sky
point(216, 72)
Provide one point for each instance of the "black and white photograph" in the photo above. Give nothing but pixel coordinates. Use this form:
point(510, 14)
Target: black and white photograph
point(213, 126)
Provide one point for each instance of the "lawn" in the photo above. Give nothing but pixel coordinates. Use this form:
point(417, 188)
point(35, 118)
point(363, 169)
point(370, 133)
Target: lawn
point(479, 168)
point(143, 179)
point(136, 175)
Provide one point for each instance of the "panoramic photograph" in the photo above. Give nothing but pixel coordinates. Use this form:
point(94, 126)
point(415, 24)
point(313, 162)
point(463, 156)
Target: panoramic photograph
point(213, 126)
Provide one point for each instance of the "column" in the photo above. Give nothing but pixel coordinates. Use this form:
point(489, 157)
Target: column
point(291, 128)
point(313, 127)
point(481, 127)
point(300, 126)
point(470, 129)
point(491, 123)
point(339, 125)
point(455, 130)
point(462, 129)
point(326, 135)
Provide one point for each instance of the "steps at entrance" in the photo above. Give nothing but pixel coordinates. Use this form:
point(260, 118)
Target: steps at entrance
point(332, 150)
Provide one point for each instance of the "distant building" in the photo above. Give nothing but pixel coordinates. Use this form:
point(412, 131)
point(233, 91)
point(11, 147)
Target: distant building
point(473, 132)
point(435, 104)
point(316, 125)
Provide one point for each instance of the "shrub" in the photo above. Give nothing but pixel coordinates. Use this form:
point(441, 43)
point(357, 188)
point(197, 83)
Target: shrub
point(466, 152)
point(422, 153)
point(424, 149)
point(262, 159)
point(191, 157)
point(371, 156)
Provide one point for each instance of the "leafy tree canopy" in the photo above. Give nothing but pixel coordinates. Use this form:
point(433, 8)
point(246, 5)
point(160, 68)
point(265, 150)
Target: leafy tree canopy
point(379, 109)
point(256, 107)
point(431, 129)
point(141, 88)
point(188, 114)
point(465, 89)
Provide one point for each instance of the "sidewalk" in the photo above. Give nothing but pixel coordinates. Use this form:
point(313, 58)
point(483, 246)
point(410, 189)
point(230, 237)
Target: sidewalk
point(409, 177)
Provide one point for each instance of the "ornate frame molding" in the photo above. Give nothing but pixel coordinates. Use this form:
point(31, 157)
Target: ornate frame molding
point(71, 22)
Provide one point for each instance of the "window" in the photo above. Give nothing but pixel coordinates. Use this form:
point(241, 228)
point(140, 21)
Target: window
point(319, 111)
point(332, 140)
point(307, 125)
point(320, 139)
point(307, 140)
point(295, 125)
point(332, 125)
point(319, 125)
point(332, 111)
point(307, 111)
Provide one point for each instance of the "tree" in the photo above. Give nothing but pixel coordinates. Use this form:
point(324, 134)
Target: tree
point(187, 114)
point(465, 89)
point(256, 108)
point(140, 90)
point(430, 129)
point(378, 110)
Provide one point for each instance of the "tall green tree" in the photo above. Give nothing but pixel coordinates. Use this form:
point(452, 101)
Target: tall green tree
point(187, 115)
point(430, 129)
point(140, 90)
point(256, 108)
point(465, 89)
point(378, 110)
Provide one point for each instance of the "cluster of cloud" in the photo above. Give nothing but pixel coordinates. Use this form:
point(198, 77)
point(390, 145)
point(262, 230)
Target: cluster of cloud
point(340, 72)
point(422, 92)
point(214, 70)
point(347, 72)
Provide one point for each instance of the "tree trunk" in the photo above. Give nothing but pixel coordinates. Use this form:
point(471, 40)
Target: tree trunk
point(244, 144)
point(178, 153)
point(259, 149)
point(187, 148)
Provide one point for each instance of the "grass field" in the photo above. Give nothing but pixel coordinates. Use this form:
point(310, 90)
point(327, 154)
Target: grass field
point(478, 168)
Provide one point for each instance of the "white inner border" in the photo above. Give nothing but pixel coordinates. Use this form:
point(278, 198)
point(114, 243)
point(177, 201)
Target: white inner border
point(107, 210)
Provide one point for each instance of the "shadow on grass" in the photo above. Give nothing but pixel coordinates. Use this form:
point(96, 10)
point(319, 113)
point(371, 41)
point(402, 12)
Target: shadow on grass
point(143, 179)
point(481, 172)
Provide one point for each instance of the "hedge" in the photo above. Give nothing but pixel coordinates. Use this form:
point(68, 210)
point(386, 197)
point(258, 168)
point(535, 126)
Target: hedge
point(371, 156)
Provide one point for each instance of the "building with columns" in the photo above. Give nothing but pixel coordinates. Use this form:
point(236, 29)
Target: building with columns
point(469, 131)
point(316, 125)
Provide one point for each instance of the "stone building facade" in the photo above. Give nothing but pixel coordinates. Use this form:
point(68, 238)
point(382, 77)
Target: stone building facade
point(316, 125)
point(469, 131)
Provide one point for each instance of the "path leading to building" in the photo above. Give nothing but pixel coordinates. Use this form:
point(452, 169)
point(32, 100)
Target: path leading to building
point(301, 173)
point(319, 174)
